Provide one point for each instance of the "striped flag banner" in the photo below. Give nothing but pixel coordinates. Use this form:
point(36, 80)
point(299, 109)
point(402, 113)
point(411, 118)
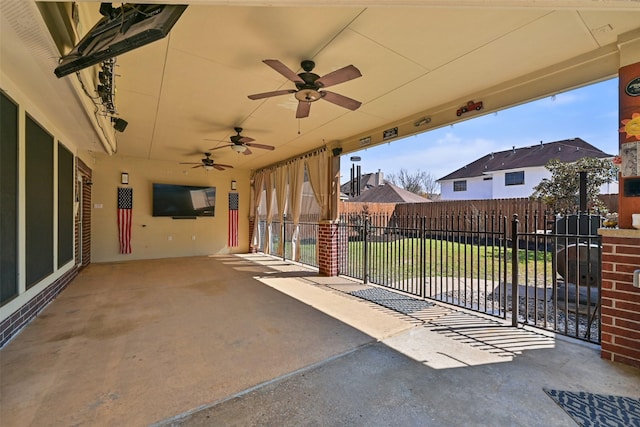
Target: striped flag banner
point(233, 220)
point(125, 208)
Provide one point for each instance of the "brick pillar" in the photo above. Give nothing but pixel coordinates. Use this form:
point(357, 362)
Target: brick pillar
point(620, 300)
point(327, 246)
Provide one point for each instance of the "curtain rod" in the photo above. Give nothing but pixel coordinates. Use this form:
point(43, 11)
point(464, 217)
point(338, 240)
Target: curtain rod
point(313, 152)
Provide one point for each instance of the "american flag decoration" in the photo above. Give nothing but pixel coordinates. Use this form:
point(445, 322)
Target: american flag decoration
point(125, 207)
point(233, 220)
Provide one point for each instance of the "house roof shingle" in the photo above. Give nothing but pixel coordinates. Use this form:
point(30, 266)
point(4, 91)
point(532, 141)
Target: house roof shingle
point(367, 181)
point(568, 150)
point(389, 193)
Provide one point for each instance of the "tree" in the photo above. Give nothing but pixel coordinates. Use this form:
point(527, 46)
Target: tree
point(419, 182)
point(561, 191)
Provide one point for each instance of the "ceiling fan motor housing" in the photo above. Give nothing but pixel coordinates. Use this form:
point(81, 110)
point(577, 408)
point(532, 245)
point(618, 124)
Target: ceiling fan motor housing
point(309, 90)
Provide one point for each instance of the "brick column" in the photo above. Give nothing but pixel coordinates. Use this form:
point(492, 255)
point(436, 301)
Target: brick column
point(620, 300)
point(327, 246)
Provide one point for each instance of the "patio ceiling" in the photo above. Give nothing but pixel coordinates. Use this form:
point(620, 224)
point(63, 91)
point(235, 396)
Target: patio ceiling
point(419, 59)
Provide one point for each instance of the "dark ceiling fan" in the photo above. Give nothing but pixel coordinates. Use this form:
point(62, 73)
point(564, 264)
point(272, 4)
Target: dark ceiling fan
point(309, 86)
point(207, 163)
point(241, 144)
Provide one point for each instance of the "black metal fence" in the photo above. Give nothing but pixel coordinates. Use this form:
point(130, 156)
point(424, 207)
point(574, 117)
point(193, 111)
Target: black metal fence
point(307, 237)
point(540, 270)
point(457, 259)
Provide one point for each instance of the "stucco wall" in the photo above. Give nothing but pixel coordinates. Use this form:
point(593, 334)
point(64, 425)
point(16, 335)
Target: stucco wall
point(162, 237)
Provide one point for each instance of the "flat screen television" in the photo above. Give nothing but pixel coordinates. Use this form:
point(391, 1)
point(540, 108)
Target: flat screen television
point(120, 30)
point(183, 201)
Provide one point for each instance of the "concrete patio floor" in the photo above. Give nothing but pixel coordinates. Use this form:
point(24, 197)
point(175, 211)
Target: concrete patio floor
point(244, 340)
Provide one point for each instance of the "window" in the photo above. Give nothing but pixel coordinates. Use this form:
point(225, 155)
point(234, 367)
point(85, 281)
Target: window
point(514, 178)
point(459, 185)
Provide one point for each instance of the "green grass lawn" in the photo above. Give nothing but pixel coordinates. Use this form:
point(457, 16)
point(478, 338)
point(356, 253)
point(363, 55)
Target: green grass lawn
point(403, 258)
point(436, 258)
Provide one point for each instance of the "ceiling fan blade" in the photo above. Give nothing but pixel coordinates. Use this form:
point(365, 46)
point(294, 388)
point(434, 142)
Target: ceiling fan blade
point(222, 146)
point(284, 70)
point(339, 76)
point(215, 165)
point(246, 152)
point(270, 94)
point(245, 139)
point(341, 100)
point(199, 166)
point(303, 109)
point(264, 147)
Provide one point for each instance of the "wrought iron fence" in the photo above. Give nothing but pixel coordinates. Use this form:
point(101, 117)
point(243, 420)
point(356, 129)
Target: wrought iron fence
point(541, 270)
point(563, 279)
point(546, 274)
point(306, 239)
point(454, 259)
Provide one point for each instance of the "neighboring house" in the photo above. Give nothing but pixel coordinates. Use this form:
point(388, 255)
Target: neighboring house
point(514, 173)
point(368, 180)
point(388, 193)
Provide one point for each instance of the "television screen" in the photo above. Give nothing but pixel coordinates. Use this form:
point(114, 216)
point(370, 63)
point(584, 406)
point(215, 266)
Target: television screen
point(183, 200)
point(127, 28)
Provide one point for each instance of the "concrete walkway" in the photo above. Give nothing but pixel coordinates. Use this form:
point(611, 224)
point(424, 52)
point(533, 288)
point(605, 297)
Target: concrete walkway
point(251, 340)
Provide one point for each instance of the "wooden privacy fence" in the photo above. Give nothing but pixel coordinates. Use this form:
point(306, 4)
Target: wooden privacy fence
point(525, 208)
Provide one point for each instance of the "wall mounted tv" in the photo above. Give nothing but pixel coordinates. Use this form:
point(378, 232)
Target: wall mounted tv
point(183, 201)
point(120, 30)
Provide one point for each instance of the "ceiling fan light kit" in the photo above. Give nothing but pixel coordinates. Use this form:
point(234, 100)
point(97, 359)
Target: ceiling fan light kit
point(308, 95)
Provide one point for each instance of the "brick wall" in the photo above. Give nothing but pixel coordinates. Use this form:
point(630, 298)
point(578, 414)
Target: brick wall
point(328, 254)
point(19, 319)
point(620, 300)
point(84, 246)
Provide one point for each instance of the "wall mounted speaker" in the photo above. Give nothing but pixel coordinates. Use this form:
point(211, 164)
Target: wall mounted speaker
point(337, 151)
point(119, 124)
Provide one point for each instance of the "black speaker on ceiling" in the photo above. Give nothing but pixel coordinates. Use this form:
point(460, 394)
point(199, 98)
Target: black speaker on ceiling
point(119, 124)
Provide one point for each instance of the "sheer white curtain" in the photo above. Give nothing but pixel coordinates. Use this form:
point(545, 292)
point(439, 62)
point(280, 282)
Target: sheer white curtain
point(318, 169)
point(281, 198)
point(296, 178)
point(258, 183)
point(269, 191)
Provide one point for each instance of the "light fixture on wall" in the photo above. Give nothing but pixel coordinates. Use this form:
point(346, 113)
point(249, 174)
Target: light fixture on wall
point(233, 184)
point(124, 178)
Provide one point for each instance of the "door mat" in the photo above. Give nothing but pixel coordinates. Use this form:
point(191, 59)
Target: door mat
point(596, 410)
point(392, 300)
